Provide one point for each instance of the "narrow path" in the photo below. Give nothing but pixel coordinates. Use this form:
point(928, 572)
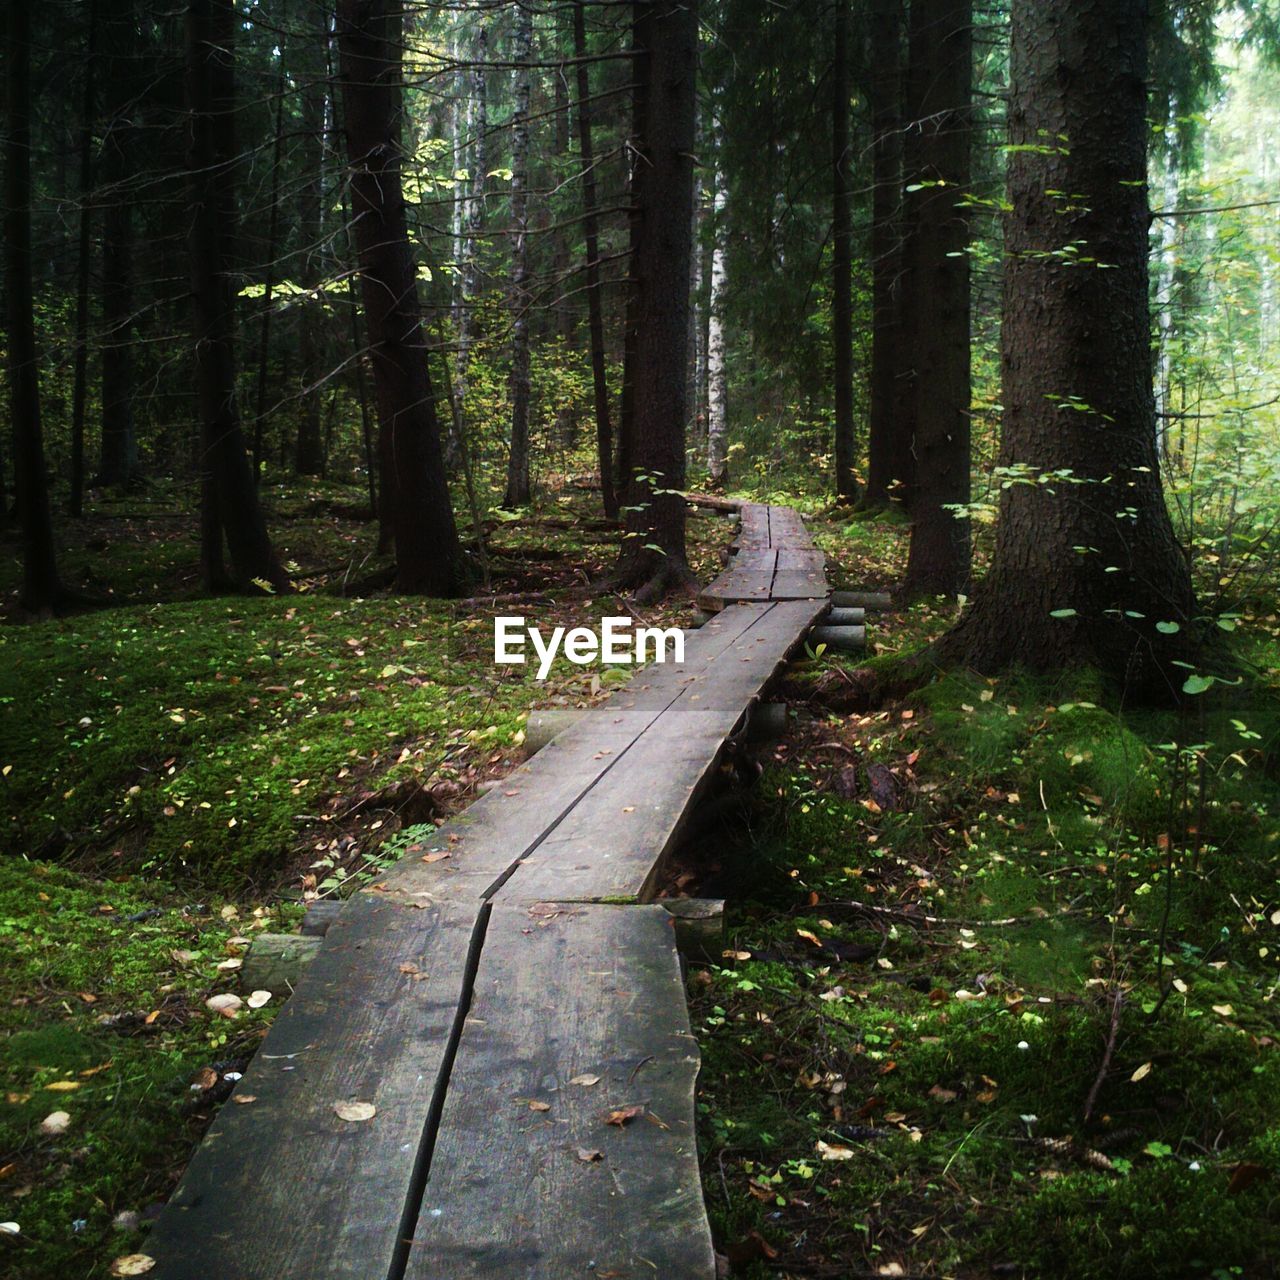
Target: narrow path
point(509, 1001)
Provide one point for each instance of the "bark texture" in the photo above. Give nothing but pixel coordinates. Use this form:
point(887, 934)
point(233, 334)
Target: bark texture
point(842, 261)
point(653, 550)
point(41, 590)
point(229, 498)
point(118, 462)
point(591, 240)
point(885, 82)
point(940, 553)
point(717, 369)
point(518, 489)
point(1084, 531)
point(415, 497)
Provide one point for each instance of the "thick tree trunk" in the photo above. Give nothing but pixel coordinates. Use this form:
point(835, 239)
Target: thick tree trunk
point(230, 497)
point(518, 491)
point(1084, 533)
point(429, 556)
point(118, 463)
point(591, 238)
point(653, 551)
point(940, 552)
point(84, 257)
point(41, 590)
point(717, 369)
point(883, 440)
point(842, 262)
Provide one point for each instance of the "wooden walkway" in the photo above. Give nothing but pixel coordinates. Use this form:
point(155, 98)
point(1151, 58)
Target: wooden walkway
point(507, 1003)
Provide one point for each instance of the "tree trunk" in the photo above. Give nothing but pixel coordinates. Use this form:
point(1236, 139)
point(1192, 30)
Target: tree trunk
point(940, 552)
point(310, 458)
point(883, 438)
point(474, 225)
point(273, 249)
point(41, 589)
point(84, 261)
point(717, 369)
point(119, 456)
point(518, 492)
point(653, 550)
point(230, 497)
point(591, 237)
point(428, 554)
point(1084, 532)
point(842, 261)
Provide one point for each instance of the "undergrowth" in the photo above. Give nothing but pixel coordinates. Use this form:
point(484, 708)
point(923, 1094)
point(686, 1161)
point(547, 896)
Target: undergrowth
point(998, 992)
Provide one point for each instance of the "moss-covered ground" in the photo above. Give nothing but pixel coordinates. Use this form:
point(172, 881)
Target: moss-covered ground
point(180, 772)
point(999, 989)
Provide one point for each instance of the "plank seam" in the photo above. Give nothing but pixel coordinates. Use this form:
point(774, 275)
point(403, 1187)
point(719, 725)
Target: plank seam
point(415, 1190)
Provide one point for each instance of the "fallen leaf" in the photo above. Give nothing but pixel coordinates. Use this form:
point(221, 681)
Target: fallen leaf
point(227, 1004)
point(438, 856)
point(62, 1086)
point(809, 936)
point(535, 1105)
point(242, 1098)
point(132, 1264)
point(204, 1079)
point(1243, 1176)
point(227, 965)
point(736, 955)
point(258, 998)
point(622, 1116)
point(55, 1122)
point(589, 1157)
point(1141, 1074)
point(754, 1247)
point(941, 1094)
point(355, 1112)
point(1223, 1010)
point(585, 1080)
point(828, 1152)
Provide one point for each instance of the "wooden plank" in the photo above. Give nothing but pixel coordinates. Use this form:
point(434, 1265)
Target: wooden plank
point(592, 992)
point(613, 843)
point(809, 559)
point(796, 584)
point(612, 846)
point(736, 586)
point(484, 842)
point(282, 1188)
point(658, 685)
point(753, 560)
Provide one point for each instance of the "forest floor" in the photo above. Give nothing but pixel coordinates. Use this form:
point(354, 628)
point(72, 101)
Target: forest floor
point(958, 921)
point(180, 773)
point(999, 992)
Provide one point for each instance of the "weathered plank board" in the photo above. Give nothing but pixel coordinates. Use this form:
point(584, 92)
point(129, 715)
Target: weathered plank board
point(481, 845)
point(796, 584)
point(736, 586)
point(612, 845)
point(282, 1188)
point(593, 993)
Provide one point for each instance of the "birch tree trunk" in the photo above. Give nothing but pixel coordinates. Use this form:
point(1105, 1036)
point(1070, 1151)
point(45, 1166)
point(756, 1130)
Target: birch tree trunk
point(717, 369)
